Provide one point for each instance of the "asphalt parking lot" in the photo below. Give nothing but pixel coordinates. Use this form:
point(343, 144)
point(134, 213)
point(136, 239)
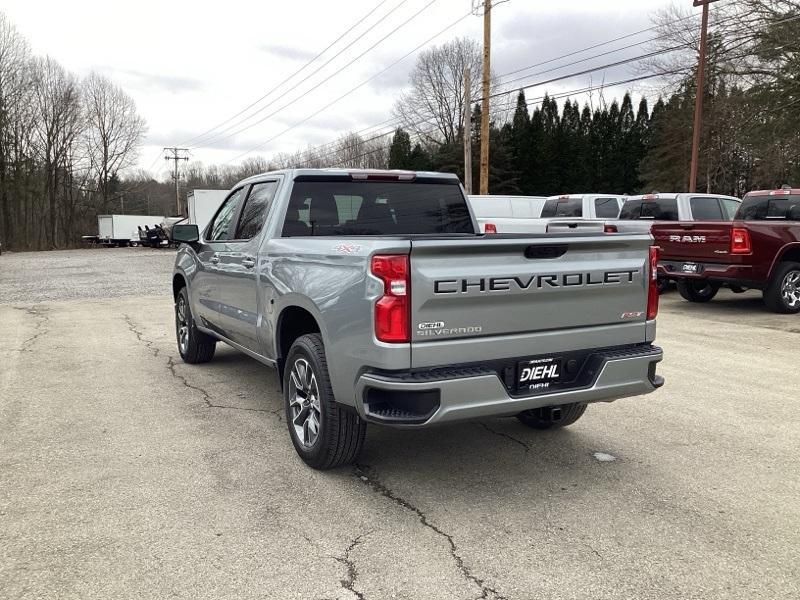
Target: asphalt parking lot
point(126, 474)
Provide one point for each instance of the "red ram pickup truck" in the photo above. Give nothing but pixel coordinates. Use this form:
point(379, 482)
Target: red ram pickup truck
point(760, 249)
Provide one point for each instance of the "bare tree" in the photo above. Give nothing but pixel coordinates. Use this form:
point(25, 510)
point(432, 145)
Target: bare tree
point(114, 133)
point(59, 121)
point(434, 107)
point(14, 85)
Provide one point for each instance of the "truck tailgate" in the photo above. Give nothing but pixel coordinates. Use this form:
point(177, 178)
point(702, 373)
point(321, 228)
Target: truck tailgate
point(705, 241)
point(507, 286)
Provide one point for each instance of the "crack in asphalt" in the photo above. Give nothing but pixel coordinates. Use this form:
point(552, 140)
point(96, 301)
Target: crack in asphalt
point(506, 436)
point(171, 365)
point(352, 572)
point(41, 318)
point(140, 336)
point(363, 473)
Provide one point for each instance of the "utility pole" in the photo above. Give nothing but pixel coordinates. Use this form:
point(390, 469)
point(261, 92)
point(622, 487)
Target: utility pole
point(467, 131)
point(175, 154)
point(698, 102)
point(487, 73)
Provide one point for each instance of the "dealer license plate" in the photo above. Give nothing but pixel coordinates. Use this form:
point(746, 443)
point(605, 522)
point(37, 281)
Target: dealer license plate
point(538, 374)
point(689, 268)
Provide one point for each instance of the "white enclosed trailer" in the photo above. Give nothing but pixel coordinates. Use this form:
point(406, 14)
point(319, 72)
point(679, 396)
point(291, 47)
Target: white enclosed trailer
point(203, 204)
point(121, 230)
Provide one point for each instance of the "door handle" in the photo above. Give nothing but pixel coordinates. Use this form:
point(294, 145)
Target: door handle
point(249, 262)
point(214, 259)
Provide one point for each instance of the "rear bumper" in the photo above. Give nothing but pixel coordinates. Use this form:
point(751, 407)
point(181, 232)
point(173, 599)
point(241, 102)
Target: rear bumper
point(475, 392)
point(723, 273)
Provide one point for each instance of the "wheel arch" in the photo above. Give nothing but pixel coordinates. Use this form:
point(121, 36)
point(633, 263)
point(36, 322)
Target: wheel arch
point(293, 321)
point(178, 282)
point(789, 253)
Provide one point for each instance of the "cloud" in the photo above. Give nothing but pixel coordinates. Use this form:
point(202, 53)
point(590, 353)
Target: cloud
point(174, 84)
point(287, 52)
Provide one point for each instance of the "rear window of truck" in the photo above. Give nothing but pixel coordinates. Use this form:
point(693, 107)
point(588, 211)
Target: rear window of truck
point(562, 207)
point(658, 209)
point(350, 208)
point(760, 208)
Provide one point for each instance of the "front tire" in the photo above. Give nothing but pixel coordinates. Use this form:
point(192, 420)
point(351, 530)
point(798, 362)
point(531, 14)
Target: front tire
point(783, 292)
point(697, 290)
point(544, 418)
point(194, 346)
point(324, 434)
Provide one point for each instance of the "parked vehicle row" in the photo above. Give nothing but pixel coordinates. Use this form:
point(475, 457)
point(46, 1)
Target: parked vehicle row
point(759, 249)
point(536, 214)
point(378, 300)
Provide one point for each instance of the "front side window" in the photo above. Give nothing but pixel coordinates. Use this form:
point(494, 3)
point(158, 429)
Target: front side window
point(705, 209)
point(606, 208)
point(222, 228)
point(255, 210)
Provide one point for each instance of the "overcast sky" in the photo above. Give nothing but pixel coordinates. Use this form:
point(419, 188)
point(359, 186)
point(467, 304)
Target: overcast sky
point(192, 65)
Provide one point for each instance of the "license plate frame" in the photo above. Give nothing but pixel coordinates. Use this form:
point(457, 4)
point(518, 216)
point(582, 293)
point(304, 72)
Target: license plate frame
point(690, 268)
point(539, 373)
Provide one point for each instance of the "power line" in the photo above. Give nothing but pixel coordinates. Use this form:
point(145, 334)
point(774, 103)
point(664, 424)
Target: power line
point(331, 76)
point(301, 69)
point(219, 136)
point(359, 86)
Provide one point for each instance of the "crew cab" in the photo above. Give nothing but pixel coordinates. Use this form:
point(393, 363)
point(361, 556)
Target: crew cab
point(760, 249)
point(377, 300)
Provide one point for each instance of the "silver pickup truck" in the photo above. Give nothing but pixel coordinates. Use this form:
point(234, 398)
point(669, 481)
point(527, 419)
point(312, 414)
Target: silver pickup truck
point(376, 299)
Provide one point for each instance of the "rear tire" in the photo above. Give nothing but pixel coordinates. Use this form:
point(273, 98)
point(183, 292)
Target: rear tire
point(697, 290)
point(324, 433)
point(783, 292)
point(194, 346)
point(542, 418)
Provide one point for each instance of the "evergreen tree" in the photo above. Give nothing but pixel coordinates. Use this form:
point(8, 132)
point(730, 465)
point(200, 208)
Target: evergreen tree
point(400, 150)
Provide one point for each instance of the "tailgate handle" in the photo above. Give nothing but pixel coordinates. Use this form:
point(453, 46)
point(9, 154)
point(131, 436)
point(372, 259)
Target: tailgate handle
point(687, 225)
point(545, 251)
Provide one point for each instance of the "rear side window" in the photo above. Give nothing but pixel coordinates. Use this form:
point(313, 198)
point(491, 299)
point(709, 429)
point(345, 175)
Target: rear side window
point(757, 208)
point(729, 208)
point(706, 209)
point(562, 207)
point(255, 210)
point(350, 208)
point(660, 209)
point(606, 208)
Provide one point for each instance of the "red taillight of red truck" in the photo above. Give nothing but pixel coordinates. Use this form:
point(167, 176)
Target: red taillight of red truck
point(740, 241)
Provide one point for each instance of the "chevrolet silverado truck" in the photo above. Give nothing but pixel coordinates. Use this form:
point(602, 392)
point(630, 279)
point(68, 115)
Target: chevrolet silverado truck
point(377, 300)
point(760, 249)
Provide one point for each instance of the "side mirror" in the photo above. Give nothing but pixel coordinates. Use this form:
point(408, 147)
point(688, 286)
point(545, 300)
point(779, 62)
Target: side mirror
point(794, 213)
point(188, 234)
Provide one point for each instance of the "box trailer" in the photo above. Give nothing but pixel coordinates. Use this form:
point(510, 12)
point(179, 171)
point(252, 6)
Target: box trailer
point(123, 230)
point(203, 205)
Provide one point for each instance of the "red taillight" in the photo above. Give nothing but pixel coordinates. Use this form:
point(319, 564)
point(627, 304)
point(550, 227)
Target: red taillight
point(652, 285)
point(610, 228)
point(392, 309)
point(490, 228)
point(740, 241)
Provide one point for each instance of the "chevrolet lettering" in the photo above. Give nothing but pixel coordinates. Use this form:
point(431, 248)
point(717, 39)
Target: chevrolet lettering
point(532, 282)
point(396, 310)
